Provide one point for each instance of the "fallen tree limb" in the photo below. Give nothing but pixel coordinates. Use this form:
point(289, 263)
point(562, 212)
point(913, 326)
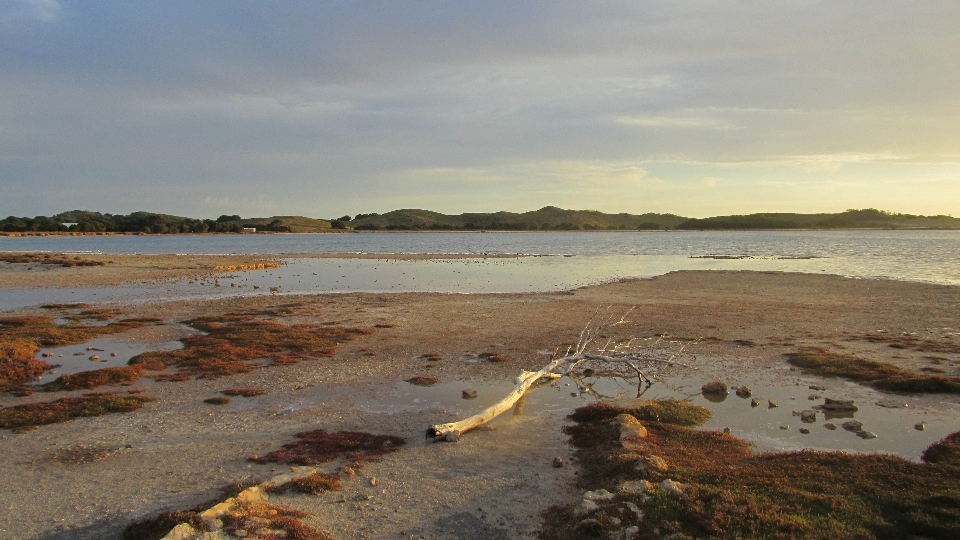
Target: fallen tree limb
point(625, 353)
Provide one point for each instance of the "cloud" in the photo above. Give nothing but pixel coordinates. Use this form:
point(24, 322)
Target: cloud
point(14, 11)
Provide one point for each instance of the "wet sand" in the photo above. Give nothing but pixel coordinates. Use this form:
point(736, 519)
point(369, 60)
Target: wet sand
point(175, 452)
point(125, 269)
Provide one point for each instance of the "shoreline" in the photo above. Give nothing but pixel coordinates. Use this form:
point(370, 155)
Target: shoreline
point(182, 449)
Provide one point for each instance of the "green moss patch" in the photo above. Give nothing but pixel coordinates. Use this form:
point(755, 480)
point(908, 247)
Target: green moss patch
point(240, 343)
point(667, 411)
point(880, 375)
point(731, 492)
point(21, 418)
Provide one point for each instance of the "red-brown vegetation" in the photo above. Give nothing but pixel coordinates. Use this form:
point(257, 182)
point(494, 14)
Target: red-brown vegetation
point(245, 392)
point(234, 344)
point(880, 375)
point(313, 484)
point(319, 446)
point(22, 337)
point(92, 379)
point(730, 492)
point(21, 418)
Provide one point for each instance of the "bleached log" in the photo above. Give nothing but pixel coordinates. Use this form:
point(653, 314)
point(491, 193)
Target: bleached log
point(622, 353)
point(452, 431)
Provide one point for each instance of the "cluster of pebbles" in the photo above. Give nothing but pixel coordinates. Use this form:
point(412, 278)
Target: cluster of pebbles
point(718, 389)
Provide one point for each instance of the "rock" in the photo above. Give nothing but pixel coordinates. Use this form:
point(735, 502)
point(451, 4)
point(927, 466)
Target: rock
point(653, 464)
point(804, 430)
point(635, 487)
point(814, 397)
point(715, 387)
point(630, 426)
point(590, 526)
point(726, 430)
point(182, 531)
point(838, 405)
point(469, 393)
point(771, 404)
point(113, 354)
point(558, 462)
point(586, 506)
point(257, 286)
point(808, 417)
point(818, 388)
point(744, 392)
point(784, 427)
point(830, 426)
point(920, 426)
point(95, 357)
point(373, 480)
point(630, 532)
point(275, 289)
point(754, 402)
point(598, 495)
point(852, 425)
point(671, 487)
point(866, 435)
point(452, 436)
point(892, 404)
point(634, 509)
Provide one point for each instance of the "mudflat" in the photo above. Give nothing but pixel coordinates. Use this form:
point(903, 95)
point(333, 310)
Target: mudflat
point(91, 477)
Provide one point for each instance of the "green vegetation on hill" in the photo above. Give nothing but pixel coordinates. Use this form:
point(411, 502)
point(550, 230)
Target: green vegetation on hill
point(549, 218)
point(851, 219)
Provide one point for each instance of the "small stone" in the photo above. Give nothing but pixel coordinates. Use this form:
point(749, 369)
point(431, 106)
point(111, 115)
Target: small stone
point(586, 506)
point(892, 404)
point(113, 354)
point(598, 495)
point(784, 427)
point(635, 487)
point(715, 387)
point(920, 426)
point(373, 480)
point(838, 405)
point(558, 462)
point(744, 392)
point(808, 417)
point(671, 487)
point(726, 430)
point(852, 425)
point(818, 388)
point(469, 393)
point(653, 463)
point(771, 404)
point(814, 397)
point(590, 526)
point(831, 426)
point(631, 531)
point(94, 357)
point(804, 430)
point(866, 435)
point(754, 402)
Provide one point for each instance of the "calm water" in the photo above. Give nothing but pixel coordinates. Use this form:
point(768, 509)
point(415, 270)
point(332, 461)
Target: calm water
point(931, 256)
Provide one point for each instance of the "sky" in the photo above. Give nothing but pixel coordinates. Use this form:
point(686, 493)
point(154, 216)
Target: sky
point(268, 107)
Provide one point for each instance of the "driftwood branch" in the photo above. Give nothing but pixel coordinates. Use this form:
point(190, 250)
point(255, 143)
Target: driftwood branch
point(626, 353)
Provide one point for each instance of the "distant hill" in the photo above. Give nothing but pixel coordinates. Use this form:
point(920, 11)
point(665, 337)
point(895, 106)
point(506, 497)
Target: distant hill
point(547, 218)
point(851, 219)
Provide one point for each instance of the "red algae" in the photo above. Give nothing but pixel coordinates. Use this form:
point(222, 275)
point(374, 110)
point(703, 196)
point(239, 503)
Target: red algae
point(319, 446)
point(235, 343)
point(21, 418)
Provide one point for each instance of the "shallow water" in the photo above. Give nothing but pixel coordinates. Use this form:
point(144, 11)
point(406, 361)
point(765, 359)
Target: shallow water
point(759, 425)
point(77, 358)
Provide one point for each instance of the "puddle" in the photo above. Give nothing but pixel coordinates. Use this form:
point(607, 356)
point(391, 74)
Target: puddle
point(77, 358)
point(760, 425)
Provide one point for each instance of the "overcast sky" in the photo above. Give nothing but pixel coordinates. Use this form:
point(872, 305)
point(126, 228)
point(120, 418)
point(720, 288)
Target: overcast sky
point(268, 107)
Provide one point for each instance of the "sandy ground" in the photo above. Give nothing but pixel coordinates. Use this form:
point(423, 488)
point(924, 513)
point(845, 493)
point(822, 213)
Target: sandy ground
point(122, 269)
point(492, 484)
